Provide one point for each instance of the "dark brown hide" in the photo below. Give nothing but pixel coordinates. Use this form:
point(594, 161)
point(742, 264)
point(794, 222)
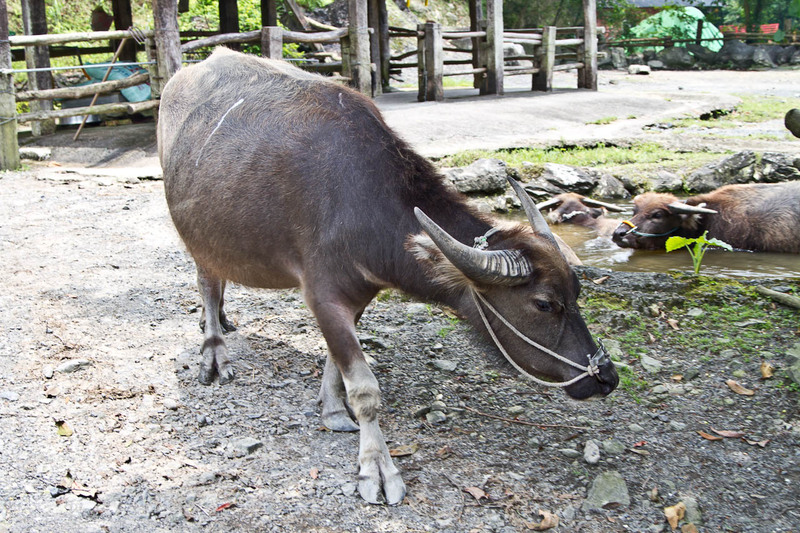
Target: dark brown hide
point(761, 217)
point(571, 209)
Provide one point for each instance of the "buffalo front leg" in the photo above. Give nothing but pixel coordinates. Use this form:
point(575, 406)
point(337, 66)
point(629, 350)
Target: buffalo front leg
point(377, 472)
point(215, 360)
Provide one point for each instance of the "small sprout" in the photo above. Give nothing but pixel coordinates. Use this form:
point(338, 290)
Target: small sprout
point(697, 251)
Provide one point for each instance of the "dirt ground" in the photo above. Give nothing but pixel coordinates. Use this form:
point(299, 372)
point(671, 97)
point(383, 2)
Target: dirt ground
point(104, 427)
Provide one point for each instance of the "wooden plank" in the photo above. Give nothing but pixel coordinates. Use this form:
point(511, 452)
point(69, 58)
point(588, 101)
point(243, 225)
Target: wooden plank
point(300, 15)
point(568, 66)
point(272, 42)
point(117, 107)
point(494, 48)
point(83, 90)
point(462, 34)
point(61, 38)
point(543, 80)
point(587, 76)
point(568, 42)
point(9, 144)
point(34, 21)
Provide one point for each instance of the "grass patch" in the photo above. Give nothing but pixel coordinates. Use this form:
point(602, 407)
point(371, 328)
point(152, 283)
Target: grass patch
point(752, 109)
point(602, 121)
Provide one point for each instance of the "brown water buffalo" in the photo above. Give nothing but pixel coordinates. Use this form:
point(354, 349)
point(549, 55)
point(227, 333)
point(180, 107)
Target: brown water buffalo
point(279, 178)
point(760, 217)
point(573, 208)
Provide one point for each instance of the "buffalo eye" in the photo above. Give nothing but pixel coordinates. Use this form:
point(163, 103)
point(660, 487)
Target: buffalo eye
point(657, 215)
point(544, 306)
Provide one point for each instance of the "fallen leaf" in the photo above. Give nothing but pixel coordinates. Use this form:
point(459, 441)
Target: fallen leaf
point(224, 506)
point(677, 377)
point(314, 473)
point(766, 370)
point(729, 434)
point(673, 323)
point(738, 389)
point(708, 436)
point(476, 493)
point(444, 451)
point(761, 443)
point(640, 443)
point(549, 520)
point(598, 281)
point(675, 514)
point(406, 449)
point(651, 337)
point(63, 428)
point(688, 528)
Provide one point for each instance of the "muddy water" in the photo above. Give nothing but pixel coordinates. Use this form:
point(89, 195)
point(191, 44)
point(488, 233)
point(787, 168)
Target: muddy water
point(602, 252)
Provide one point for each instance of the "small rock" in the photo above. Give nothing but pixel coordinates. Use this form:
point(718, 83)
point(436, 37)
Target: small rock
point(695, 312)
point(607, 488)
point(739, 373)
point(439, 405)
point(435, 417)
point(170, 404)
point(47, 371)
point(638, 69)
point(591, 452)
point(613, 447)
point(9, 395)
point(651, 365)
point(516, 410)
point(570, 452)
point(692, 514)
point(677, 426)
point(34, 153)
point(636, 428)
point(247, 445)
point(690, 374)
point(72, 365)
point(349, 489)
point(445, 364)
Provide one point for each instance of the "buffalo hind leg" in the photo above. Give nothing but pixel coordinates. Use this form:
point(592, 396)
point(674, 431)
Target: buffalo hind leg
point(215, 360)
point(336, 414)
point(377, 472)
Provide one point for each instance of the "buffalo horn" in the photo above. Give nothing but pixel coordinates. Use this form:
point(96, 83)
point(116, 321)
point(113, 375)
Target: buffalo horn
point(679, 207)
point(597, 203)
point(549, 203)
point(538, 223)
point(488, 266)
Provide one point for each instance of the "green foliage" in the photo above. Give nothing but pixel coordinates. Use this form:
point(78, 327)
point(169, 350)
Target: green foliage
point(603, 121)
point(697, 247)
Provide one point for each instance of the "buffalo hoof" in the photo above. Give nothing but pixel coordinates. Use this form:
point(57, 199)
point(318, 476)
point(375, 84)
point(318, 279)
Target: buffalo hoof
point(339, 421)
point(378, 473)
point(215, 362)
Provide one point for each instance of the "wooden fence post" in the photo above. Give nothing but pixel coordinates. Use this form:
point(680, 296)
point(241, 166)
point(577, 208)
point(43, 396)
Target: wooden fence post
point(347, 69)
point(167, 39)
point(476, 23)
point(360, 65)
point(373, 20)
point(494, 48)
point(543, 80)
point(34, 21)
point(587, 76)
point(9, 144)
point(432, 89)
point(272, 42)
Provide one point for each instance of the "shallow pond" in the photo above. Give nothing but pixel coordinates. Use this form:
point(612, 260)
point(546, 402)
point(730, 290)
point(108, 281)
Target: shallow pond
point(602, 252)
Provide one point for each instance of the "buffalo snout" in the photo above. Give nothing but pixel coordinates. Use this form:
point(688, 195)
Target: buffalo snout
point(591, 386)
point(623, 237)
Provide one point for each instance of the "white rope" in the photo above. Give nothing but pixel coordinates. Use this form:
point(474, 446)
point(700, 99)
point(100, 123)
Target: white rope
point(589, 370)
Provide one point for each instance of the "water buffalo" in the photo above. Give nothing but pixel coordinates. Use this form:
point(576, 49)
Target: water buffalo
point(573, 208)
point(760, 217)
point(279, 178)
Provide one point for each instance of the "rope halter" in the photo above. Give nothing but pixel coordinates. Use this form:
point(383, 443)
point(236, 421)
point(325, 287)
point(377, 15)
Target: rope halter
point(597, 360)
point(640, 234)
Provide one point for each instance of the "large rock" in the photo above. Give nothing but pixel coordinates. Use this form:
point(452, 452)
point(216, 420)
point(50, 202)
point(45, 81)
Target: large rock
point(762, 57)
point(666, 181)
point(676, 58)
point(618, 58)
point(701, 53)
point(737, 54)
point(510, 50)
point(777, 167)
point(785, 56)
point(569, 178)
point(484, 176)
point(607, 489)
point(541, 189)
point(607, 186)
point(738, 168)
point(794, 366)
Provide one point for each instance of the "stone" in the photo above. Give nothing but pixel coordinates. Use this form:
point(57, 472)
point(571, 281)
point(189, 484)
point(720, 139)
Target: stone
point(34, 153)
point(606, 185)
point(9, 395)
point(777, 167)
point(656, 64)
point(677, 426)
point(676, 58)
point(785, 55)
point(609, 488)
point(613, 447)
point(541, 189)
point(737, 168)
point(650, 364)
point(695, 312)
point(568, 178)
point(701, 53)
point(618, 58)
point(439, 405)
point(614, 349)
point(170, 404)
point(692, 515)
point(571, 453)
point(641, 70)
point(516, 410)
point(591, 452)
point(736, 53)
point(762, 57)
point(636, 428)
point(794, 367)
point(48, 371)
point(483, 176)
point(435, 417)
point(510, 50)
point(445, 364)
point(73, 365)
point(247, 445)
point(666, 181)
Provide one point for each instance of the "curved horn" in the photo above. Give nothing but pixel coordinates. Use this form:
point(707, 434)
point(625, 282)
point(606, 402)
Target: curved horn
point(491, 266)
point(536, 219)
point(597, 203)
point(679, 207)
point(549, 203)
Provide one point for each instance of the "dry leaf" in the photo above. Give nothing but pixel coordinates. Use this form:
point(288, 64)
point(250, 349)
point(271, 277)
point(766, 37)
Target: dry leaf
point(761, 443)
point(677, 377)
point(476, 493)
point(651, 337)
point(314, 473)
point(689, 528)
point(738, 389)
point(63, 428)
point(549, 520)
point(729, 434)
point(673, 323)
point(766, 370)
point(224, 506)
point(598, 281)
point(444, 452)
point(639, 444)
point(406, 449)
point(708, 436)
point(675, 514)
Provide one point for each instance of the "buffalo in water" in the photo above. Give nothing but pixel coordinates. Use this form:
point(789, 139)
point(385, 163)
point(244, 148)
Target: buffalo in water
point(759, 217)
point(573, 208)
point(278, 178)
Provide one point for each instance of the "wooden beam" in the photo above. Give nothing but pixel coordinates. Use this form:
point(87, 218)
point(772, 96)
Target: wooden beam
point(386, 51)
point(300, 15)
point(117, 107)
point(543, 80)
point(167, 39)
point(374, 46)
point(494, 48)
point(34, 22)
point(60, 38)
point(123, 20)
point(269, 13)
point(476, 24)
point(9, 144)
point(434, 62)
point(81, 91)
point(359, 46)
point(272, 42)
point(587, 76)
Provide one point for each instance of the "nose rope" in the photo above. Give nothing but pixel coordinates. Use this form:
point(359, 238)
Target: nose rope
point(640, 234)
point(592, 369)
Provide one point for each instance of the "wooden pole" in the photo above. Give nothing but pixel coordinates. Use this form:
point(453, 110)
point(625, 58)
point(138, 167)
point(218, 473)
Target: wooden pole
point(374, 46)
point(360, 66)
point(476, 23)
point(543, 80)
point(34, 20)
point(272, 42)
point(123, 19)
point(9, 144)
point(494, 47)
point(587, 76)
point(386, 51)
point(434, 61)
point(167, 39)
point(269, 13)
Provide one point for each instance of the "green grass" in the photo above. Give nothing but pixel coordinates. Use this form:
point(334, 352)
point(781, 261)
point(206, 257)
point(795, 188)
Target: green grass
point(602, 121)
point(752, 109)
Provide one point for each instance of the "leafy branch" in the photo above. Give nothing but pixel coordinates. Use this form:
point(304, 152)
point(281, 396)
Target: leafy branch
point(697, 247)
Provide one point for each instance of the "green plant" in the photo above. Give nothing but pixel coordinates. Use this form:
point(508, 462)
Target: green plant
point(602, 121)
point(697, 247)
